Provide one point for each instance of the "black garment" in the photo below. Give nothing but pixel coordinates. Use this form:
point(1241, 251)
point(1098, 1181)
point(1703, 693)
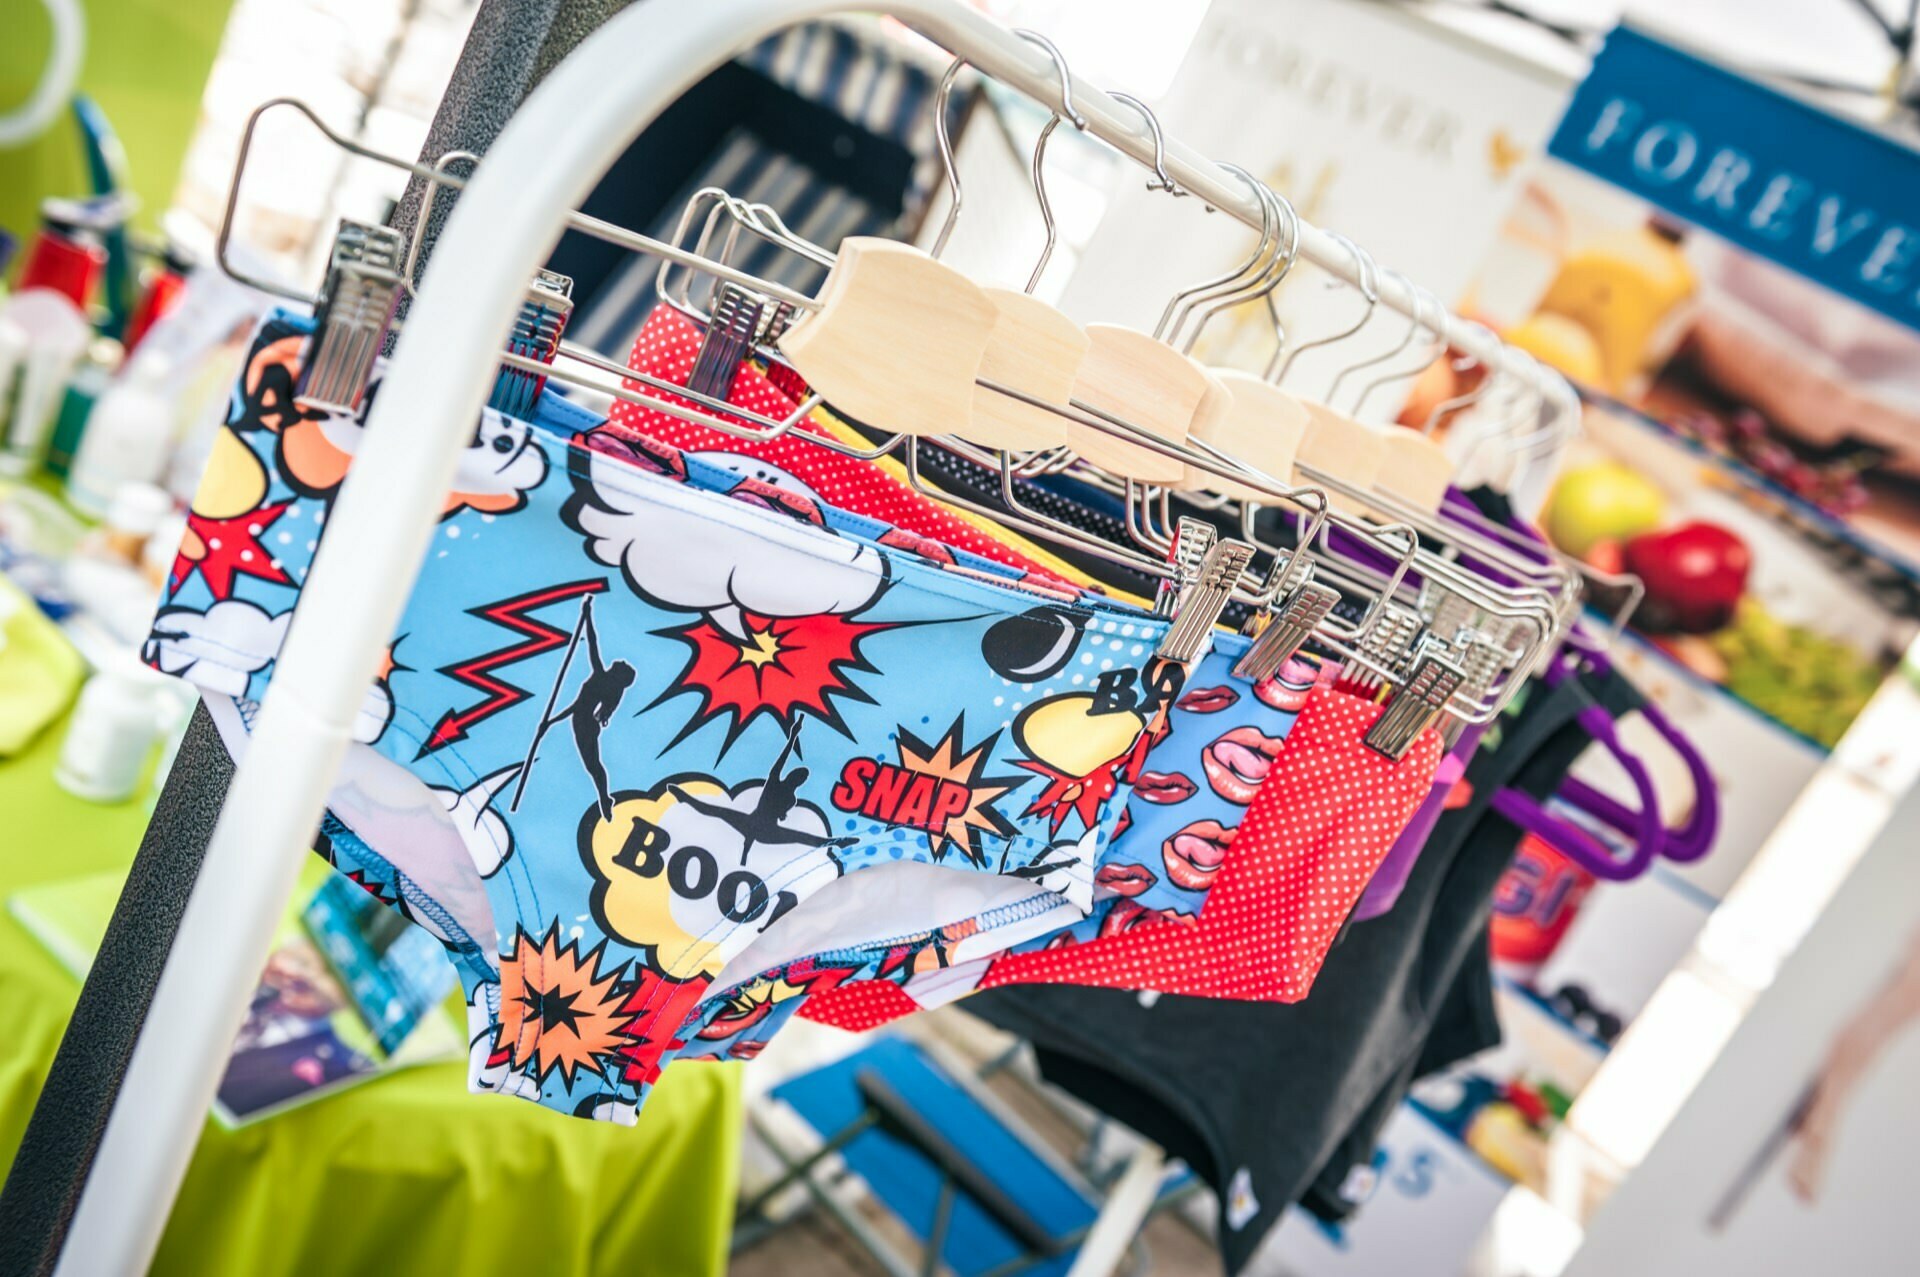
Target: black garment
point(1463, 1022)
point(980, 485)
point(1257, 1097)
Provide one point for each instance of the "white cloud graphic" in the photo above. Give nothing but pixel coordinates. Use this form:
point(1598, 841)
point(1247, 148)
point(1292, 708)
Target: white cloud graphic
point(500, 464)
point(217, 649)
point(720, 562)
point(485, 832)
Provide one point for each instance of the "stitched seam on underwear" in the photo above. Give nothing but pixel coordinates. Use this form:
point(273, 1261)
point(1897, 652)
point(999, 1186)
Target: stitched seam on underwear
point(661, 991)
point(439, 760)
point(459, 940)
point(529, 1036)
point(868, 957)
point(439, 757)
point(1023, 841)
point(1017, 578)
point(869, 953)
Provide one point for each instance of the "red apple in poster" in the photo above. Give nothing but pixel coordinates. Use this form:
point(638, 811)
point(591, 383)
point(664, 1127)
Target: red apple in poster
point(1695, 575)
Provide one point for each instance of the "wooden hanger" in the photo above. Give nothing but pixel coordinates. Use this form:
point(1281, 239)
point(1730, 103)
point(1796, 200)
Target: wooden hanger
point(1414, 468)
point(898, 339)
point(1349, 450)
point(1033, 349)
point(1263, 426)
point(1148, 384)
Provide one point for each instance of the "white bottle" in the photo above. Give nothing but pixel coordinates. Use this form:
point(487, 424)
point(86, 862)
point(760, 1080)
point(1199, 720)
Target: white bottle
point(110, 738)
point(42, 336)
point(129, 437)
point(43, 333)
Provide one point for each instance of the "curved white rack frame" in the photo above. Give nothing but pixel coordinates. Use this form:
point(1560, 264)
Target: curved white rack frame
point(545, 162)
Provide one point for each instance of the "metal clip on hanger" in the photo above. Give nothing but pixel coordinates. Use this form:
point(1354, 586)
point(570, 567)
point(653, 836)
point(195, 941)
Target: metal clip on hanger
point(1499, 642)
point(355, 308)
point(707, 409)
point(764, 223)
point(1263, 425)
point(1417, 705)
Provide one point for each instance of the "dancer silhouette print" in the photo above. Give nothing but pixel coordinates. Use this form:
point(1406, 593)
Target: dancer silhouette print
point(777, 798)
point(590, 711)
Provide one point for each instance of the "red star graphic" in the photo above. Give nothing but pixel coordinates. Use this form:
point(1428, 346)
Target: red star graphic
point(231, 547)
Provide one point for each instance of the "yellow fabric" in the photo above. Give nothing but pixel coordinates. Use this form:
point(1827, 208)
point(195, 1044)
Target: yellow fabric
point(39, 670)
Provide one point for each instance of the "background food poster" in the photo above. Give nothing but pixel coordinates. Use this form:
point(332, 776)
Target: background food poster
point(1725, 272)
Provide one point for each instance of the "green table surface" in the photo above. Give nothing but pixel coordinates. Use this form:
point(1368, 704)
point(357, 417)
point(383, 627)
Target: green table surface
point(406, 1173)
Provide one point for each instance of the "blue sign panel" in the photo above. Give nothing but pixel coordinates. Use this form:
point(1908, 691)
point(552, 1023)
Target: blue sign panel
point(1823, 197)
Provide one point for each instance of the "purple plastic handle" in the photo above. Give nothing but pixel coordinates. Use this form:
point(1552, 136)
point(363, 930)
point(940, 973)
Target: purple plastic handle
point(1695, 837)
point(1575, 843)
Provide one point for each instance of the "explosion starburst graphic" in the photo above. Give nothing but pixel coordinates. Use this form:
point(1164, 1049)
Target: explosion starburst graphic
point(557, 1011)
point(221, 549)
point(950, 761)
point(776, 666)
point(1065, 795)
point(655, 1007)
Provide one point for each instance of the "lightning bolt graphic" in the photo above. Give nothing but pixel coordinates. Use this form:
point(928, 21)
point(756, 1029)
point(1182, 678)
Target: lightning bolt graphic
point(478, 671)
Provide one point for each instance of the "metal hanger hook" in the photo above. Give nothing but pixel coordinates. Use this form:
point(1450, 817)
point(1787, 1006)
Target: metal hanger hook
point(1369, 289)
point(1276, 212)
point(1052, 50)
point(1066, 110)
point(1413, 326)
point(1174, 316)
point(944, 140)
point(1447, 407)
point(1437, 331)
point(1161, 181)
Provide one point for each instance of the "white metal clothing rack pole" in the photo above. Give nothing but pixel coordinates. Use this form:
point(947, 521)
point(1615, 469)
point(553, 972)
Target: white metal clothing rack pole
point(545, 162)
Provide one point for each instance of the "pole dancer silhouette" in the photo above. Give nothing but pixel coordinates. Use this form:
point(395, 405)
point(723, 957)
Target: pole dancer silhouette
point(590, 711)
point(777, 798)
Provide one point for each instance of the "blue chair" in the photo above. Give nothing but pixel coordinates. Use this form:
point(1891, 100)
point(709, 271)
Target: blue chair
point(982, 1197)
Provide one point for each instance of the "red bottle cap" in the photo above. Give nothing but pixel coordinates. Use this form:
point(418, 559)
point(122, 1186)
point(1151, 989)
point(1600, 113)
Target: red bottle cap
point(65, 265)
point(163, 292)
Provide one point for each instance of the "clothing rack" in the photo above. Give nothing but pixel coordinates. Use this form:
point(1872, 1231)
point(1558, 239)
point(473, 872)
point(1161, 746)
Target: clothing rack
point(509, 217)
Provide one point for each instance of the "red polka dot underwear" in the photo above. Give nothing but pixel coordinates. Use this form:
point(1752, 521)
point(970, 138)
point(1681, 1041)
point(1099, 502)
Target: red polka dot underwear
point(666, 349)
point(1318, 827)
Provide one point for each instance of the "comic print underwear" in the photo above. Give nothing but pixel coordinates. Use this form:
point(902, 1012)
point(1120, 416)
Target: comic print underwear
point(663, 704)
point(1222, 731)
point(1310, 841)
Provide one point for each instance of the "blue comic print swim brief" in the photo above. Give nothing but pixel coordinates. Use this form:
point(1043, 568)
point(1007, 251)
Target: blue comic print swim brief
point(664, 704)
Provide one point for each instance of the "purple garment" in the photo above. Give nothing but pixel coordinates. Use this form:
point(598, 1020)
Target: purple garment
point(1383, 889)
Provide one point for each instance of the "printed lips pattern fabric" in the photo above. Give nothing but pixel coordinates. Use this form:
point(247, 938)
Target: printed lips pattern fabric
point(1311, 840)
point(1192, 785)
point(659, 719)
